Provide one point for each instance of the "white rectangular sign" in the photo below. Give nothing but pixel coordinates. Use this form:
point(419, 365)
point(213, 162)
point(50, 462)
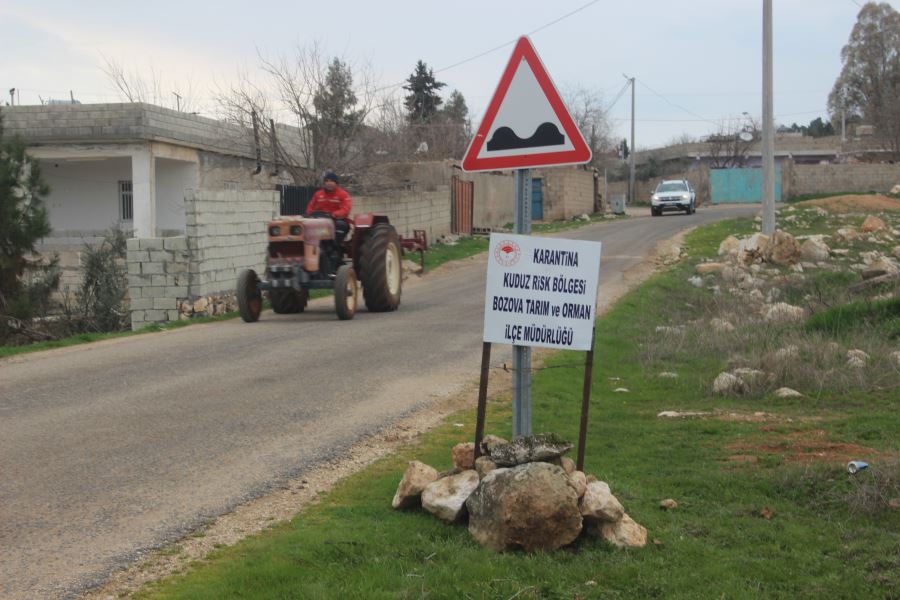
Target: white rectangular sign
point(541, 291)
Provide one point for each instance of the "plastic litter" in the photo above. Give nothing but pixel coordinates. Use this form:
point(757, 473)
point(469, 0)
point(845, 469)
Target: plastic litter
point(855, 466)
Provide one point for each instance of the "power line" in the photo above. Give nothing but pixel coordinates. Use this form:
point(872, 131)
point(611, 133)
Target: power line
point(500, 47)
point(678, 106)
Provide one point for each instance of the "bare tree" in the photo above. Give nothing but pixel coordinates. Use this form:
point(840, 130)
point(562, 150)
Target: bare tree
point(730, 145)
point(252, 109)
point(329, 99)
point(588, 110)
point(132, 86)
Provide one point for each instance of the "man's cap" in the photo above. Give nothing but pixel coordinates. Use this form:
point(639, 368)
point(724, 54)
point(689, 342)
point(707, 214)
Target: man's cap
point(330, 175)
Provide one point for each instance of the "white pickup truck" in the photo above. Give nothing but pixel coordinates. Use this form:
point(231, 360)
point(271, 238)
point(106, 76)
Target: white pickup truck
point(673, 194)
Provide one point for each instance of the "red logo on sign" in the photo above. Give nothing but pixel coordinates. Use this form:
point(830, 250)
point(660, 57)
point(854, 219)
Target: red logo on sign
point(507, 253)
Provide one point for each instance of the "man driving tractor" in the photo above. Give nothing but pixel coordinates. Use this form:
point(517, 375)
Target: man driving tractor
point(335, 201)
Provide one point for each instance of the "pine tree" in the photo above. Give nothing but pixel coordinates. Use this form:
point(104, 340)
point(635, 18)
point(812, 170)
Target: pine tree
point(23, 217)
point(456, 109)
point(336, 120)
point(423, 100)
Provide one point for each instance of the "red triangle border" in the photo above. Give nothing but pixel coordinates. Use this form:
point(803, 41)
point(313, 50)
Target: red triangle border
point(578, 155)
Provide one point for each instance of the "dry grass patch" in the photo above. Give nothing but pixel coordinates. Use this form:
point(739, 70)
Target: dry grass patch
point(852, 203)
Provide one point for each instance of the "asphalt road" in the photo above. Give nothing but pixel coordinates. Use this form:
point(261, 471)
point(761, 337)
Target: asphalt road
point(110, 449)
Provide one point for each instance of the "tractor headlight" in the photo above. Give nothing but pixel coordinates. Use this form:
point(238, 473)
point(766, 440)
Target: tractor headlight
point(296, 230)
point(275, 231)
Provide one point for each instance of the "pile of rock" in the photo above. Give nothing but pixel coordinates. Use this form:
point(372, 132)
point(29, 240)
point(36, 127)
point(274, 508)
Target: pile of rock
point(523, 494)
point(207, 306)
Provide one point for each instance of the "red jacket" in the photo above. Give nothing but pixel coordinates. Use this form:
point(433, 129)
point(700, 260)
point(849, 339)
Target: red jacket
point(336, 203)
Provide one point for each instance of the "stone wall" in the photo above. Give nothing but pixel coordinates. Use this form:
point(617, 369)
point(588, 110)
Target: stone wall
point(567, 192)
point(410, 210)
point(853, 177)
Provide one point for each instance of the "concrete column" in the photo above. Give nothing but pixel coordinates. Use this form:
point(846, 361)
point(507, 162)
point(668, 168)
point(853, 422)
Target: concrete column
point(143, 185)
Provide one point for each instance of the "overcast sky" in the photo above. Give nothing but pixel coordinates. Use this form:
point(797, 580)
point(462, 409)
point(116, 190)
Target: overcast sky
point(697, 62)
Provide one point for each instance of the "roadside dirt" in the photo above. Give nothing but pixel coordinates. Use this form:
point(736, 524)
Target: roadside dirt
point(284, 504)
point(805, 446)
point(852, 203)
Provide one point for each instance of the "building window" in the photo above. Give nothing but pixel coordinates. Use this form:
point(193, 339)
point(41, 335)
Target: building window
point(233, 186)
point(126, 201)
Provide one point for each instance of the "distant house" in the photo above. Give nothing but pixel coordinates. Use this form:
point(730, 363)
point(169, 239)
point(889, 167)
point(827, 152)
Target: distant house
point(801, 150)
point(129, 164)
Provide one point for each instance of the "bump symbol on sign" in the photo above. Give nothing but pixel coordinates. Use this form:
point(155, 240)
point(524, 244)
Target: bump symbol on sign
point(526, 123)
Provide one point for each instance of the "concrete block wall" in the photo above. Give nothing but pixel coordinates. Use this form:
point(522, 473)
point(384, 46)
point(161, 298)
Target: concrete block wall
point(494, 198)
point(157, 278)
point(853, 177)
point(410, 210)
point(226, 233)
point(567, 192)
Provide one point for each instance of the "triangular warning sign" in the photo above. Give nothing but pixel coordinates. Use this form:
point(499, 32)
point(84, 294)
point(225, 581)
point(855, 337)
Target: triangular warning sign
point(526, 124)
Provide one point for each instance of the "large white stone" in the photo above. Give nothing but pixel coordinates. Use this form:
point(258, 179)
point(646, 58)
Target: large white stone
point(782, 313)
point(814, 250)
point(857, 358)
point(446, 497)
point(598, 503)
point(726, 383)
point(417, 476)
point(786, 392)
point(624, 533)
point(532, 506)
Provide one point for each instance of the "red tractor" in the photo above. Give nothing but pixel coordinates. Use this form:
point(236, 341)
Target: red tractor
point(304, 254)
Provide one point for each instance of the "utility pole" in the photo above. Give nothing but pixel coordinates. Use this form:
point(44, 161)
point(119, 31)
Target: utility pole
point(768, 133)
point(631, 149)
point(843, 126)
point(177, 101)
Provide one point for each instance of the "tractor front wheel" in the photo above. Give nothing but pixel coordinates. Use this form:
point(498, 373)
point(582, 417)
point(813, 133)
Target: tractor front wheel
point(381, 269)
point(288, 301)
point(345, 289)
point(248, 295)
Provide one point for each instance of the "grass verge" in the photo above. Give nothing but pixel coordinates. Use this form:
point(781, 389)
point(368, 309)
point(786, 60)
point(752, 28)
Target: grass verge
point(773, 526)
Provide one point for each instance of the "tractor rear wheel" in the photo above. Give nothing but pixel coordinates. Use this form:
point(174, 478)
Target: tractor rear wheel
point(345, 290)
point(288, 301)
point(248, 296)
point(381, 270)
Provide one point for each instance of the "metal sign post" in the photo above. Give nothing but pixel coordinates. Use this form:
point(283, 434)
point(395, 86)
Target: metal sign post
point(528, 125)
point(521, 355)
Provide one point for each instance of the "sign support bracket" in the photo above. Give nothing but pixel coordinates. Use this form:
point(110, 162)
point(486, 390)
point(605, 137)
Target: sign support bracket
point(482, 396)
point(586, 400)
